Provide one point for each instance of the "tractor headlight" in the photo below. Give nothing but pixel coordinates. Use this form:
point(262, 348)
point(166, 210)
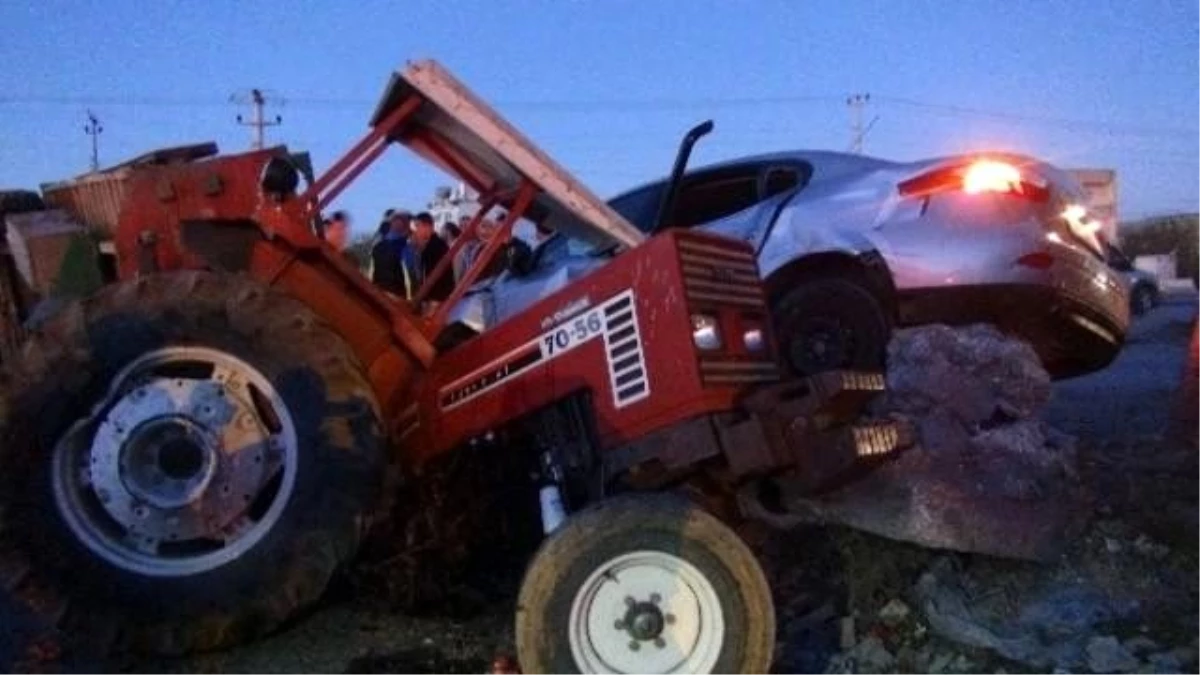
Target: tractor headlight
point(753, 340)
point(705, 332)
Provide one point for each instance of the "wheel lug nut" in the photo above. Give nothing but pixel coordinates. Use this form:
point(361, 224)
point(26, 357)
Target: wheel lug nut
point(660, 643)
point(655, 598)
point(619, 624)
point(634, 645)
point(629, 601)
point(670, 619)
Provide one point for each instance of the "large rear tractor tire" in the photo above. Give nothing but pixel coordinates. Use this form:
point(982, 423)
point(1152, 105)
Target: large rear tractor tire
point(830, 323)
point(185, 461)
point(644, 584)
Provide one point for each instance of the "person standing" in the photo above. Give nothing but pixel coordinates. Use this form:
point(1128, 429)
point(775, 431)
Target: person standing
point(431, 249)
point(337, 235)
point(392, 258)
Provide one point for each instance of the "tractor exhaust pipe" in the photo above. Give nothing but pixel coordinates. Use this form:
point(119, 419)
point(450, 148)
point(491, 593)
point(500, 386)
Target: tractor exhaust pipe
point(667, 204)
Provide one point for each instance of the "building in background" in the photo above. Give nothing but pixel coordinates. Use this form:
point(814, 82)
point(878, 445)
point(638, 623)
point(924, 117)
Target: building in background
point(1100, 185)
point(450, 204)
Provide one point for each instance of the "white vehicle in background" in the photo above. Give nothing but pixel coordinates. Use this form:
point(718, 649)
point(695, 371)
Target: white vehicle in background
point(1144, 291)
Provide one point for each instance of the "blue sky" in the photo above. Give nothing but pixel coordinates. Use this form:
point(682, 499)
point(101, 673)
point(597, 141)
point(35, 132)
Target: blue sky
point(608, 86)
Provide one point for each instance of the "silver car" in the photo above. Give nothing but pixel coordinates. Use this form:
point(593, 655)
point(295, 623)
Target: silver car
point(853, 246)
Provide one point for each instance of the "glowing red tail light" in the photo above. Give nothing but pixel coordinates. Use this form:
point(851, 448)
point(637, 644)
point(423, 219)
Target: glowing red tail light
point(979, 177)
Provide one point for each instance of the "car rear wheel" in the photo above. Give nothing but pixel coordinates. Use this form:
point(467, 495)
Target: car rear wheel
point(830, 323)
point(186, 461)
point(644, 584)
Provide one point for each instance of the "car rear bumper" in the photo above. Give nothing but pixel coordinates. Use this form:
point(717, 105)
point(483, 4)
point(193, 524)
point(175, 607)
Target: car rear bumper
point(1075, 313)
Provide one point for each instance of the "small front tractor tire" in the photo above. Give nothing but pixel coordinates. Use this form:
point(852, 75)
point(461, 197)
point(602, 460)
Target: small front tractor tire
point(185, 461)
point(644, 584)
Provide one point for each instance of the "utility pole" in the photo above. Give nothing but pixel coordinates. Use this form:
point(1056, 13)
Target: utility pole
point(857, 102)
point(258, 121)
point(93, 129)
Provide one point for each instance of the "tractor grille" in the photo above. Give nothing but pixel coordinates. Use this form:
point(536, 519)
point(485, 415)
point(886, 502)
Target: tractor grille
point(714, 275)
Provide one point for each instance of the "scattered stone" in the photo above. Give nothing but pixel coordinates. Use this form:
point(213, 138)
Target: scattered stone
point(1148, 547)
point(1165, 662)
point(940, 662)
point(871, 656)
point(1141, 645)
point(1186, 655)
point(961, 664)
point(1107, 655)
point(841, 664)
point(846, 634)
point(894, 612)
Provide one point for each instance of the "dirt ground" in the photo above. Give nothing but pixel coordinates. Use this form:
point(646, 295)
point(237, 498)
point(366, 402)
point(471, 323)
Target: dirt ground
point(849, 602)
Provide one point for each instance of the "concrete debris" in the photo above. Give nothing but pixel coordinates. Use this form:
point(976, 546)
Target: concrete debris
point(894, 612)
point(1107, 655)
point(987, 476)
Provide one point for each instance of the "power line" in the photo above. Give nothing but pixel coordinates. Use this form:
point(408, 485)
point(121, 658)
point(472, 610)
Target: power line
point(586, 105)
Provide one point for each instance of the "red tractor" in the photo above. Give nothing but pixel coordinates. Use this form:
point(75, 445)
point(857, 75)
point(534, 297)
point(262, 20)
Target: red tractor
point(190, 454)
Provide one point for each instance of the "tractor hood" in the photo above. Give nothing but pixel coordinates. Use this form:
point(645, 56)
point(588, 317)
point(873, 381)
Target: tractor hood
point(457, 131)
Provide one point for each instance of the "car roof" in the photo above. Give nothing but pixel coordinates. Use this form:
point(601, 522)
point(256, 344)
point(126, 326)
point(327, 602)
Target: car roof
point(825, 164)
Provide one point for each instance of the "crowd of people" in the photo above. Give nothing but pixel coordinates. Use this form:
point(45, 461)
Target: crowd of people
point(407, 250)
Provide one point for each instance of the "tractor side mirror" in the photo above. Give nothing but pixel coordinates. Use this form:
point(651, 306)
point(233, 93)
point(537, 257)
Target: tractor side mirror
point(519, 257)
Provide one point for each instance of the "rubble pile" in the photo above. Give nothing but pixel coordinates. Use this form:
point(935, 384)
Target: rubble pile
point(988, 476)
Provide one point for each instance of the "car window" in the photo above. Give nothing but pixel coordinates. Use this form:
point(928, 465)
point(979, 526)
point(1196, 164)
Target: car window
point(640, 207)
point(706, 199)
point(779, 179)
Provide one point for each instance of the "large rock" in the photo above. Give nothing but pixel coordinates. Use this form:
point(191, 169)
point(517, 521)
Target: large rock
point(970, 372)
point(987, 475)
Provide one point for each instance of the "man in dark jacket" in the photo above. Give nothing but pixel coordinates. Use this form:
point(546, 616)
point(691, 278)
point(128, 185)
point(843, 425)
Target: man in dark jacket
point(432, 249)
point(392, 258)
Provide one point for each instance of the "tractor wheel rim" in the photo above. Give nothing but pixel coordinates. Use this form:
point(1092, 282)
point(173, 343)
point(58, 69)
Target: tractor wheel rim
point(184, 466)
point(646, 612)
